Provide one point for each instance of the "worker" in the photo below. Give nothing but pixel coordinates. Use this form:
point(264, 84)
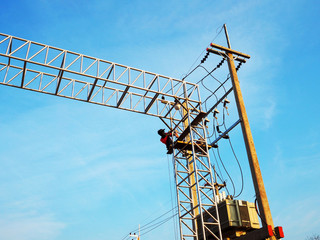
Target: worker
point(166, 138)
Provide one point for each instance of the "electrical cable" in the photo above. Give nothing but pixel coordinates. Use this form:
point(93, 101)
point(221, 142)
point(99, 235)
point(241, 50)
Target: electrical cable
point(234, 189)
point(213, 93)
point(256, 207)
point(187, 75)
point(221, 84)
point(155, 225)
point(218, 66)
point(214, 78)
point(218, 152)
point(223, 123)
point(148, 226)
point(218, 166)
point(145, 226)
point(262, 220)
point(220, 169)
point(174, 223)
point(234, 154)
point(189, 72)
point(217, 34)
point(218, 88)
point(209, 73)
point(159, 224)
point(209, 137)
point(230, 143)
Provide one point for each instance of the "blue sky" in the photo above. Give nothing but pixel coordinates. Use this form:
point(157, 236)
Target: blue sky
point(72, 170)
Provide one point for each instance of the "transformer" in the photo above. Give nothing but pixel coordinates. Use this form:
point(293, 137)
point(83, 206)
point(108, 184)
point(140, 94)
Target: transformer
point(237, 217)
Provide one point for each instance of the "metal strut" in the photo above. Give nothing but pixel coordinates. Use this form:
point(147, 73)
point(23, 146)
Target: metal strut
point(194, 179)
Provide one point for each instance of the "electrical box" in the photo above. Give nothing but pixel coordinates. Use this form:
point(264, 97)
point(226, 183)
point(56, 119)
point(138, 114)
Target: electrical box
point(236, 218)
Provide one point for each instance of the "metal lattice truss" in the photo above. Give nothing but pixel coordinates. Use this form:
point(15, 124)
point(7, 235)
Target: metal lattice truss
point(42, 68)
point(194, 179)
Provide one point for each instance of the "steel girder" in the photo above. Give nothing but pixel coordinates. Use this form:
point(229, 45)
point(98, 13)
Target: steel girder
point(42, 68)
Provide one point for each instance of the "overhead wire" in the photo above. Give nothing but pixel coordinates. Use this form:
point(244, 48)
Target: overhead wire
point(172, 204)
point(221, 164)
point(235, 156)
point(218, 153)
point(233, 186)
point(223, 123)
point(217, 88)
point(210, 73)
point(159, 224)
point(221, 84)
point(217, 34)
point(146, 226)
point(213, 93)
point(214, 69)
point(191, 71)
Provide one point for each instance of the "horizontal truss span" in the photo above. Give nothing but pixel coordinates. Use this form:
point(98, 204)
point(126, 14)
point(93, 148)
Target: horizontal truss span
point(42, 68)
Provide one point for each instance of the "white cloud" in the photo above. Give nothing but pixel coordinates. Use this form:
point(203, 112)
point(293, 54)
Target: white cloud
point(300, 218)
point(21, 227)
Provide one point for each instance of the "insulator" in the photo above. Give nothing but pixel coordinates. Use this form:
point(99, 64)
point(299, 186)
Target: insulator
point(239, 65)
point(205, 57)
point(225, 102)
point(220, 63)
point(215, 112)
point(206, 120)
point(226, 136)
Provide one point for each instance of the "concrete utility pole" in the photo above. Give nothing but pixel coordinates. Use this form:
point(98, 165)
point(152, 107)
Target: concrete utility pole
point(261, 194)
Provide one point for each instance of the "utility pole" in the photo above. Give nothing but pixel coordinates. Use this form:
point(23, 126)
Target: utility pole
point(135, 235)
point(261, 194)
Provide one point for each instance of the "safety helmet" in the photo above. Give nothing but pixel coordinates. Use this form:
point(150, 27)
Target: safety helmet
point(161, 132)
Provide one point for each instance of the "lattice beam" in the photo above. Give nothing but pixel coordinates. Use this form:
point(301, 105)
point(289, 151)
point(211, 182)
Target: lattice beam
point(42, 68)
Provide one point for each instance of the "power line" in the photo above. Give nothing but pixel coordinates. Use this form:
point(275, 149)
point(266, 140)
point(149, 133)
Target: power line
point(235, 156)
point(217, 88)
point(174, 223)
point(221, 84)
point(217, 34)
point(159, 224)
point(234, 189)
point(214, 77)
